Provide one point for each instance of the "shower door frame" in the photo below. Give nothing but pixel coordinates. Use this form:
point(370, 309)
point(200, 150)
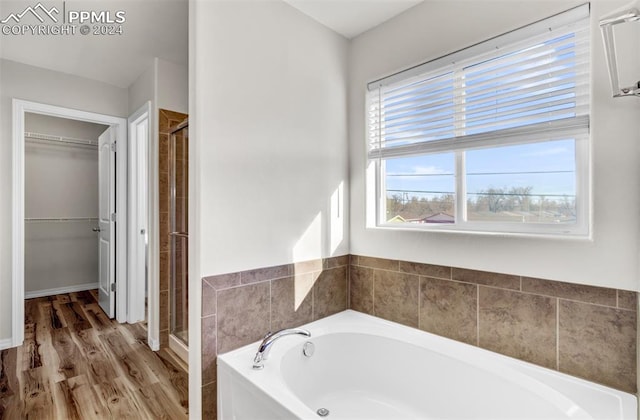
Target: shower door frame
point(176, 343)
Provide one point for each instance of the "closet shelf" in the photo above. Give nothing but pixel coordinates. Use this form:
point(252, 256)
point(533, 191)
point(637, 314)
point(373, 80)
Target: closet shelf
point(59, 219)
point(62, 140)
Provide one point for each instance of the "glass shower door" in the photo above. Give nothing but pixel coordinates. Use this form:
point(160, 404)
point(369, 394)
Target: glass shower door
point(179, 232)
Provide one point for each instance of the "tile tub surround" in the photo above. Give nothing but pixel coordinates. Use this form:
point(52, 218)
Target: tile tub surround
point(239, 308)
point(585, 331)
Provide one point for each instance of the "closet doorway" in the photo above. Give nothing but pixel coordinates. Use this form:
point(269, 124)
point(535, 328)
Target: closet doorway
point(69, 207)
point(67, 241)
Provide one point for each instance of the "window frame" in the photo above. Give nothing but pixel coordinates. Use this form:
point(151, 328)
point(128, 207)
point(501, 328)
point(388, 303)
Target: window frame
point(376, 200)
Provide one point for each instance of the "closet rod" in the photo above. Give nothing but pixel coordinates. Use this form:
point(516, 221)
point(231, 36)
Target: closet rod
point(59, 219)
point(59, 139)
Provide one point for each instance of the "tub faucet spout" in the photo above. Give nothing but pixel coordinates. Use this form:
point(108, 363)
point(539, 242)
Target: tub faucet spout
point(269, 339)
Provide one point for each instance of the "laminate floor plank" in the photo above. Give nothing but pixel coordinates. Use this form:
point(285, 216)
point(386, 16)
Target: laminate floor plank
point(9, 385)
point(77, 364)
point(89, 403)
point(71, 362)
point(68, 410)
point(36, 395)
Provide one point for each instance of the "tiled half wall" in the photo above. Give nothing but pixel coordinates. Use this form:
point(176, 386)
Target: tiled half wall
point(240, 308)
point(585, 331)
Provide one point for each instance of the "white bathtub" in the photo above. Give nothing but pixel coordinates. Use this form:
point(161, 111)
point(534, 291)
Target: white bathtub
point(367, 368)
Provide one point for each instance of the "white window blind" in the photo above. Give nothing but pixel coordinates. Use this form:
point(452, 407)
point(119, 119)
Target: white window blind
point(493, 137)
point(529, 83)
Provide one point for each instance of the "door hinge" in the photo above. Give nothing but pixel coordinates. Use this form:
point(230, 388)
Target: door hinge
point(114, 147)
point(114, 217)
point(113, 287)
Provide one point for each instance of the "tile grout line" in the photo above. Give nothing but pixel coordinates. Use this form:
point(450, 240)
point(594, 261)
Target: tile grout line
point(477, 315)
point(419, 300)
point(373, 293)
point(217, 341)
point(558, 334)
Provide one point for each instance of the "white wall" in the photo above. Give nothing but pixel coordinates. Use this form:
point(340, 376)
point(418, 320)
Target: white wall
point(61, 181)
point(143, 89)
point(44, 86)
point(173, 86)
point(271, 136)
point(435, 28)
point(268, 144)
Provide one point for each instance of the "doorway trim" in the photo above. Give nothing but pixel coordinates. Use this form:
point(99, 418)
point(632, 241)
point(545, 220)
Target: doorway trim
point(20, 108)
point(140, 135)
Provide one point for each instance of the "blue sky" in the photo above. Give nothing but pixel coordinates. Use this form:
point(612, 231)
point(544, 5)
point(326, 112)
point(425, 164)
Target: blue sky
point(547, 167)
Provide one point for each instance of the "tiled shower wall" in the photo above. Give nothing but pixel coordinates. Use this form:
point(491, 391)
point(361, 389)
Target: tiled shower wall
point(166, 120)
point(240, 308)
point(584, 331)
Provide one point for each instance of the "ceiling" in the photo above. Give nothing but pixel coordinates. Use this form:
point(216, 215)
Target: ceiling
point(156, 28)
point(350, 18)
point(153, 28)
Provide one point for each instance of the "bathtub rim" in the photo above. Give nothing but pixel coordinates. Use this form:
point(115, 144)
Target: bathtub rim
point(240, 360)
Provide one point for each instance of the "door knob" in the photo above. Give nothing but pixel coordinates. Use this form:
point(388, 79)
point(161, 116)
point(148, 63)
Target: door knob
point(96, 229)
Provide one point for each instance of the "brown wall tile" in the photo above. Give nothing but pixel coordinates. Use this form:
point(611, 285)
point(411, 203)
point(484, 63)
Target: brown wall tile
point(267, 273)
point(518, 325)
point(307, 266)
point(209, 346)
point(505, 281)
point(627, 300)
point(163, 192)
point(163, 153)
point(223, 281)
point(583, 293)
point(210, 401)
point(598, 343)
point(333, 262)
point(164, 271)
point(396, 297)
point(208, 299)
point(173, 117)
point(428, 270)
point(361, 289)
point(164, 338)
point(243, 315)
point(380, 263)
point(164, 232)
point(330, 292)
point(164, 310)
point(449, 309)
point(292, 301)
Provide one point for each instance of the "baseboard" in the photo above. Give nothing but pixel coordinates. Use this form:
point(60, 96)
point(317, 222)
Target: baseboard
point(6, 343)
point(60, 290)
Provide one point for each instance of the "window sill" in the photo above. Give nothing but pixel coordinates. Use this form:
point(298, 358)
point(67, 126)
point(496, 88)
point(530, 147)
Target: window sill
point(574, 234)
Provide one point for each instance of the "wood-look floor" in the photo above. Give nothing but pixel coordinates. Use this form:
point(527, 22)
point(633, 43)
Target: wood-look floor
point(76, 363)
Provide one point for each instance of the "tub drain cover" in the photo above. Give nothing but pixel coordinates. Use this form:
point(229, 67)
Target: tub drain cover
point(322, 412)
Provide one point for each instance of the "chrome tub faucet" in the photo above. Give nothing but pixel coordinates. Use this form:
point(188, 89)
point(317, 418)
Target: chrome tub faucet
point(269, 339)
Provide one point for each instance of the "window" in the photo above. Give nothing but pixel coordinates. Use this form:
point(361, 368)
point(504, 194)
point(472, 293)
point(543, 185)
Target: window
point(492, 138)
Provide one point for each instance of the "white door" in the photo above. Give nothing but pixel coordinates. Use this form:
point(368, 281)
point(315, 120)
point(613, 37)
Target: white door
point(138, 211)
point(107, 243)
